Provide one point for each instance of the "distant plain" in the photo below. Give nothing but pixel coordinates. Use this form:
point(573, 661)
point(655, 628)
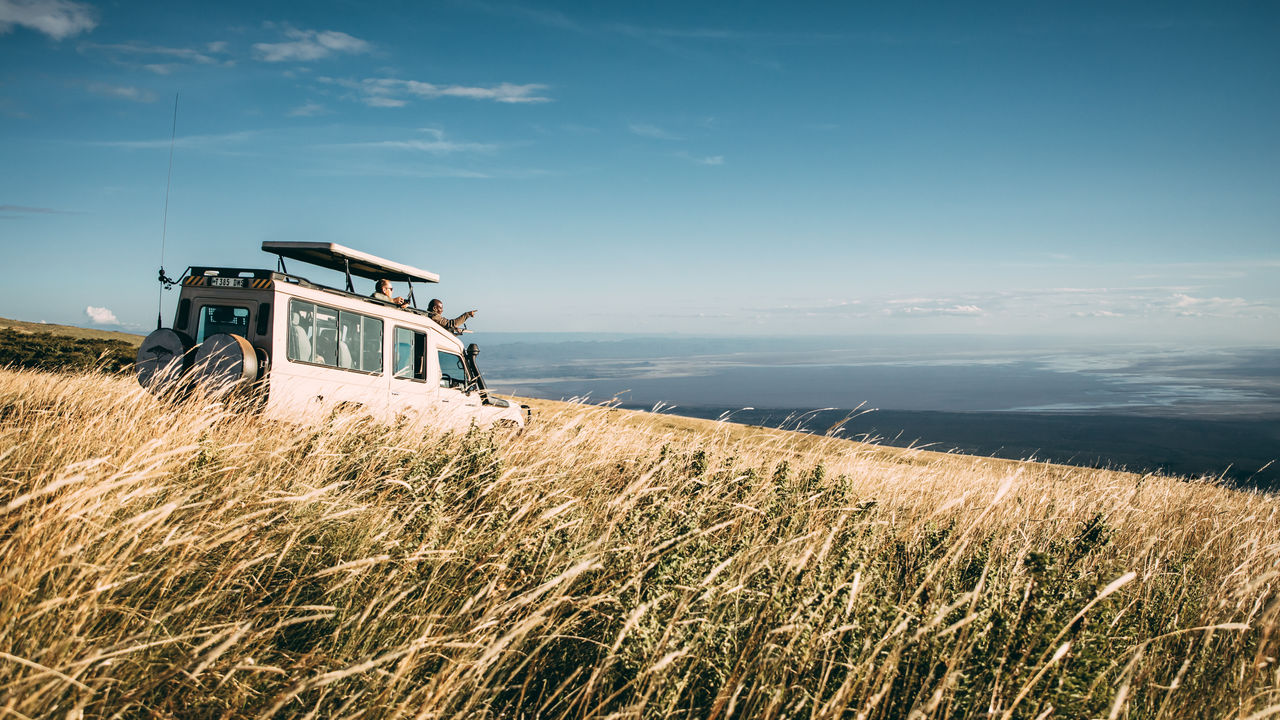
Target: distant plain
point(1186, 410)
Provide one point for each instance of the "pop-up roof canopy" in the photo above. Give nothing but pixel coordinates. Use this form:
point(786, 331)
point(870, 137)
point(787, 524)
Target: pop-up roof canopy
point(345, 260)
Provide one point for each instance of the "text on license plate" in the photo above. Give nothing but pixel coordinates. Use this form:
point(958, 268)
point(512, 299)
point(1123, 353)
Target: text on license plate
point(226, 282)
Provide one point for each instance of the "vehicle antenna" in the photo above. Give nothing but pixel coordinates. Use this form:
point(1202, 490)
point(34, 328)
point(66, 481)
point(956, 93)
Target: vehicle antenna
point(166, 282)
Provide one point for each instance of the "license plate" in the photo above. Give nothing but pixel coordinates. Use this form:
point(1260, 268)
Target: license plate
point(226, 282)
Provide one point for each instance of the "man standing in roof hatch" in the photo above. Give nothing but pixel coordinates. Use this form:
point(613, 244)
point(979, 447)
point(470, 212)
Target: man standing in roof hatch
point(435, 311)
point(383, 293)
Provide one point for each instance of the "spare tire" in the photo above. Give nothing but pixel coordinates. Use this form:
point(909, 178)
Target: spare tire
point(163, 358)
point(225, 362)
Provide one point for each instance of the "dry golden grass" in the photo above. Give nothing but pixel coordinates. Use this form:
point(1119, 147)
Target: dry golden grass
point(187, 561)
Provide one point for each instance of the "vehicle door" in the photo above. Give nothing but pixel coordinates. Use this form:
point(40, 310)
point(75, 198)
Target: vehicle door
point(459, 397)
point(412, 395)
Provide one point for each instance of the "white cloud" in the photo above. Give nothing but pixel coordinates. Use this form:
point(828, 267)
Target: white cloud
point(502, 92)
point(651, 131)
point(1187, 306)
point(309, 109)
point(101, 316)
point(918, 310)
point(123, 92)
point(437, 145)
point(391, 92)
point(307, 45)
point(59, 19)
point(160, 59)
point(711, 160)
point(385, 102)
point(26, 209)
point(549, 18)
point(1098, 314)
point(192, 142)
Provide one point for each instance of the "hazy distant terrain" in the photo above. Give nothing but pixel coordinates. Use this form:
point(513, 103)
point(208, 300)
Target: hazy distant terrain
point(1184, 410)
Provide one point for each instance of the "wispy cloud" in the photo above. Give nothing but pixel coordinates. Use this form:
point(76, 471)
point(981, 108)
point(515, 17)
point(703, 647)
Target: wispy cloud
point(309, 45)
point(400, 171)
point(428, 172)
point(1047, 304)
point(59, 19)
point(101, 316)
point(123, 92)
point(1187, 306)
point(436, 144)
point(649, 130)
point(160, 59)
point(191, 142)
point(925, 307)
point(707, 160)
point(653, 34)
point(548, 18)
point(308, 109)
point(1098, 314)
point(669, 33)
point(394, 92)
point(27, 210)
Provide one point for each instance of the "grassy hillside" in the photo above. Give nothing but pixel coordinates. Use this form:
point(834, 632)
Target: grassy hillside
point(186, 561)
point(62, 347)
point(71, 331)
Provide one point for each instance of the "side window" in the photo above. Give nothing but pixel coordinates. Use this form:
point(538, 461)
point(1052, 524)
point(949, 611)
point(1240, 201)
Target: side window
point(216, 319)
point(371, 347)
point(264, 319)
point(411, 352)
point(326, 338)
point(184, 314)
point(453, 374)
point(337, 338)
point(302, 331)
point(349, 341)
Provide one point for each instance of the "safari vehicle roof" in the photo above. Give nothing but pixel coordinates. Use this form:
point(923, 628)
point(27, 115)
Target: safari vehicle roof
point(344, 259)
point(326, 255)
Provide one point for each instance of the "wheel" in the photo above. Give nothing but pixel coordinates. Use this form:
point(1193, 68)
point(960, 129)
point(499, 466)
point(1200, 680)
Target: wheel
point(224, 363)
point(163, 358)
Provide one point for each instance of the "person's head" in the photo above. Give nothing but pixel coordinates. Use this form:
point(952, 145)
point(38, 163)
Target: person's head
point(384, 286)
point(435, 305)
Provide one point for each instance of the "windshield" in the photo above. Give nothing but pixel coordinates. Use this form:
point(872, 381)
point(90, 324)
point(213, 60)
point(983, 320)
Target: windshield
point(228, 319)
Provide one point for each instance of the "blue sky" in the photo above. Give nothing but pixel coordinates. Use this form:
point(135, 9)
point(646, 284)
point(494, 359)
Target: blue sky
point(1107, 170)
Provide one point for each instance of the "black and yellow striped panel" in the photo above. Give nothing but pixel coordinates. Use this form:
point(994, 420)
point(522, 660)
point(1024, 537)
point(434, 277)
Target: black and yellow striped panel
point(251, 283)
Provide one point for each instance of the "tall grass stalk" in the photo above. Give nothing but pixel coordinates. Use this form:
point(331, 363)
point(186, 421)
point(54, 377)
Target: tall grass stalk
point(186, 560)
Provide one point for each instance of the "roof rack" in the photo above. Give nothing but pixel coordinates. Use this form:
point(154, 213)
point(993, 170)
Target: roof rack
point(349, 262)
point(345, 260)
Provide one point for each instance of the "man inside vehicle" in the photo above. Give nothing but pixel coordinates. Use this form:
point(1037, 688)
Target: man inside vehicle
point(435, 310)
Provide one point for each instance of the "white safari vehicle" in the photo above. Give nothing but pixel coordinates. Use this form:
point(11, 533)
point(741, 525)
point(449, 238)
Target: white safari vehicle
point(300, 351)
